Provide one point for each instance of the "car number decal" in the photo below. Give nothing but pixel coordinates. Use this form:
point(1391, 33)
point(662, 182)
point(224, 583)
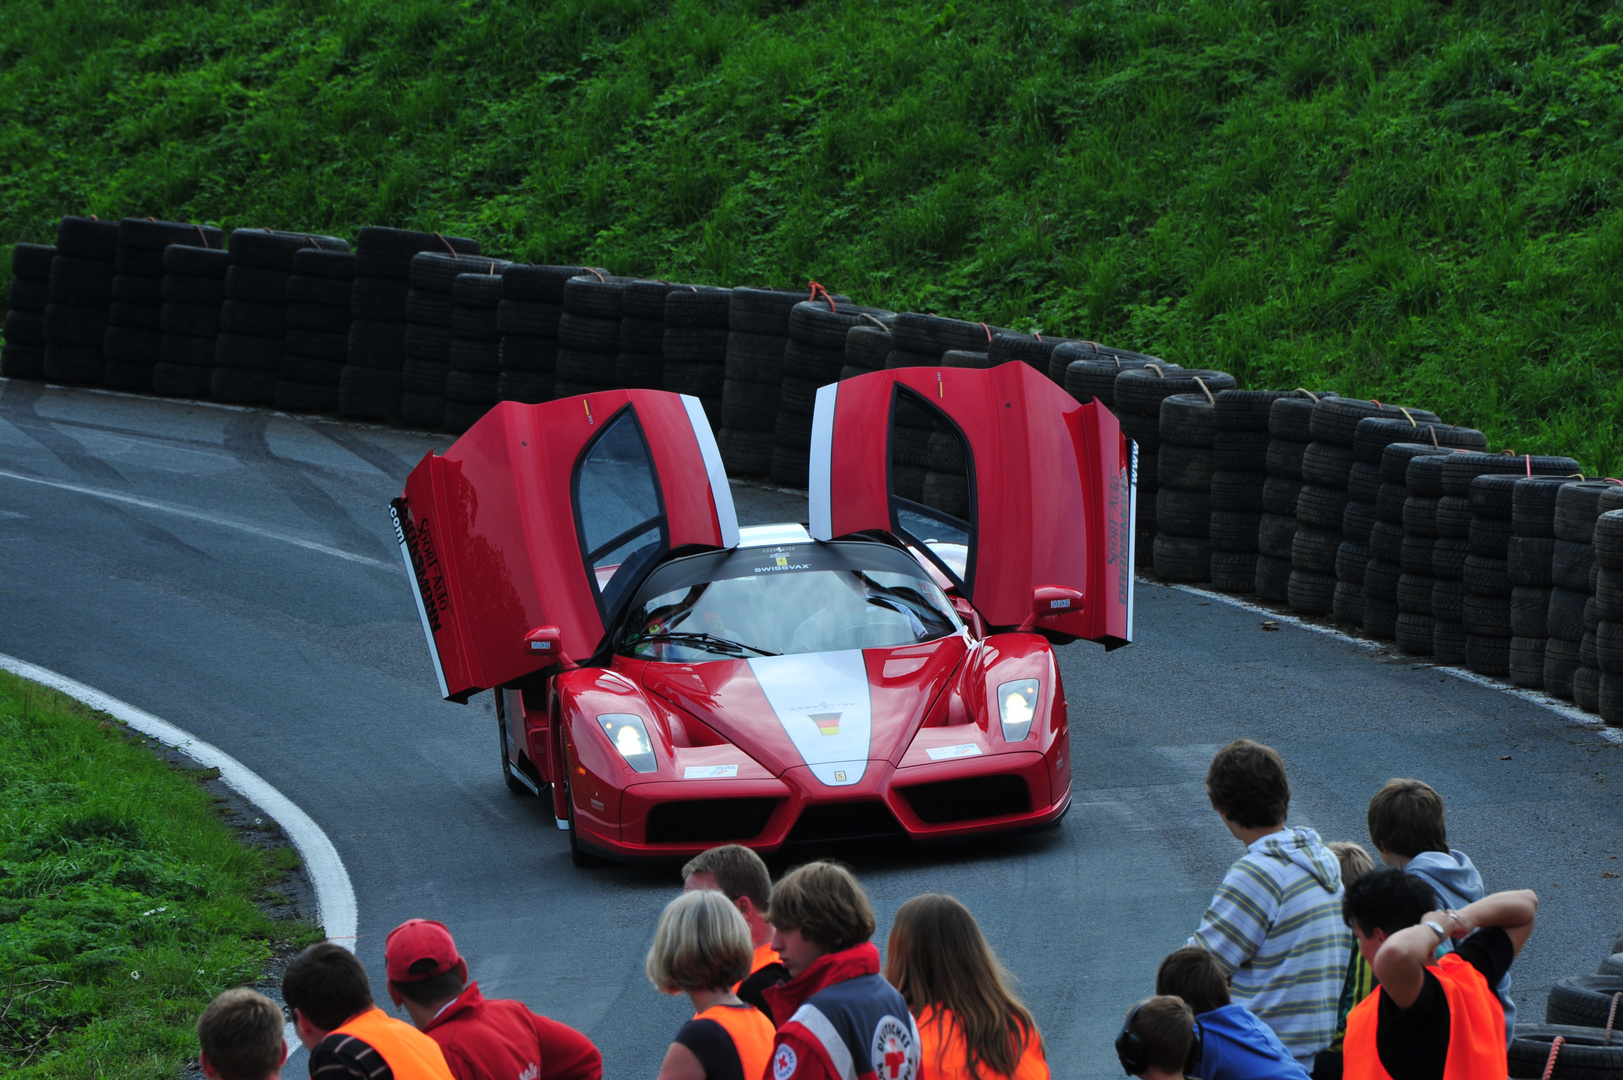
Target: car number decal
point(943, 753)
point(709, 772)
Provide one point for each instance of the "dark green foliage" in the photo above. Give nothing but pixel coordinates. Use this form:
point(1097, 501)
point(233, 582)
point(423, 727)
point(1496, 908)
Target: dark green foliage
point(1398, 198)
point(126, 903)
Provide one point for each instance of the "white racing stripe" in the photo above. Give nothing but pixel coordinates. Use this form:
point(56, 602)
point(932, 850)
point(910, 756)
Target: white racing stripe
point(720, 493)
point(820, 477)
point(1532, 697)
point(822, 702)
point(335, 896)
point(199, 515)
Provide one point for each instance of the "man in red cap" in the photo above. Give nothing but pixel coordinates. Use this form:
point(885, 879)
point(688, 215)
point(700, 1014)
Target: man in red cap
point(481, 1040)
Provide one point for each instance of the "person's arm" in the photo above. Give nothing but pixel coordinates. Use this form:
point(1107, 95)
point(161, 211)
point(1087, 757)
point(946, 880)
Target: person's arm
point(680, 1064)
point(1237, 921)
point(1400, 966)
point(795, 1058)
point(566, 1054)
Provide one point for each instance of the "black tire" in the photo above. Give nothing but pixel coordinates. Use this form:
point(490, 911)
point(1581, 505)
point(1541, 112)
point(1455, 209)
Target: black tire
point(934, 334)
point(256, 286)
point(1246, 410)
point(1448, 642)
point(586, 368)
point(369, 393)
point(1570, 563)
point(1529, 612)
point(190, 320)
point(1279, 495)
point(1182, 558)
point(639, 335)
point(134, 378)
point(701, 345)
point(87, 238)
point(25, 328)
point(639, 371)
point(1284, 458)
point(427, 342)
point(32, 262)
point(1314, 550)
point(965, 358)
point(1581, 1057)
point(419, 376)
point(1373, 434)
point(1424, 476)
point(1586, 688)
point(1486, 577)
point(1275, 534)
point(815, 323)
point(1396, 457)
point(437, 271)
point(1577, 506)
point(1528, 560)
point(482, 292)
point(387, 253)
point(1321, 507)
point(1335, 420)
point(425, 308)
point(182, 380)
point(1241, 451)
point(527, 387)
point(131, 346)
point(253, 320)
point(538, 355)
point(745, 453)
point(480, 356)
point(578, 854)
point(379, 300)
point(73, 365)
point(1609, 594)
point(1141, 390)
point(1487, 616)
point(271, 250)
point(755, 358)
point(1143, 430)
point(1413, 633)
point(1237, 492)
point(1461, 469)
point(1420, 516)
point(1327, 464)
point(1527, 662)
point(1389, 503)
point(1292, 420)
point(1363, 482)
point(1347, 606)
point(1184, 468)
point(1234, 534)
point(194, 262)
point(1357, 521)
point(1380, 617)
point(1582, 1000)
point(1188, 420)
point(1489, 538)
point(377, 345)
point(530, 319)
point(693, 306)
point(1311, 593)
point(1454, 517)
point(1491, 495)
point(426, 411)
point(310, 371)
point(1561, 660)
point(1487, 655)
point(470, 387)
point(80, 282)
point(1273, 578)
point(1184, 513)
point(790, 464)
point(1566, 614)
point(1381, 580)
point(1234, 571)
point(1414, 593)
point(700, 380)
point(1090, 379)
point(1611, 711)
point(1386, 541)
point(462, 415)
point(539, 284)
point(325, 320)
point(137, 263)
point(475, 324)
point(305, 397)
point(584, 333)
point(812, 364)
point(1447, 556)
point(1351, 561)
point(22, 361)
point(27, 295)
point(243, 386)
point(241, 352)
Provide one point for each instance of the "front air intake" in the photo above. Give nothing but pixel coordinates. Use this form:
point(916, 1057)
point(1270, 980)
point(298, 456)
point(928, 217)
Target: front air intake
point(844, 821)
point(973, 797)
point(708, 821)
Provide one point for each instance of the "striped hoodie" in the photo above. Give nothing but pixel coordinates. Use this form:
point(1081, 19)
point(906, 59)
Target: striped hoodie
point(1276, 929)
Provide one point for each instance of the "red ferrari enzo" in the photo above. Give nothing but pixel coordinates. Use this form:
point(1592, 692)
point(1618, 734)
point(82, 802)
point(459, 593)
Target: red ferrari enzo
point(674, 681)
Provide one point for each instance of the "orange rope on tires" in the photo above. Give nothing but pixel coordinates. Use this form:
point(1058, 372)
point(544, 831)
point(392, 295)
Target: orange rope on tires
point(1529, 458)
point(1406, 416)
point(202, 235)
point(1555, 1048)
point(988, 330)
point(1202, 384)
point(599, 274)
point(1611, 1018)
point(448, 246)
point(876, 321)
point(1311, 394)
point(818, 290)
point(1435, 445)
point(1159, 374)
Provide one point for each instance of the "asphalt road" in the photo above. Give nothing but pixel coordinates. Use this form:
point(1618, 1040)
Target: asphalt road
point(233, 571)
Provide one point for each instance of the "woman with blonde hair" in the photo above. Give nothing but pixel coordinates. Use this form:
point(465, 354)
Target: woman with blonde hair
point(702, 949)
point(971, 1026)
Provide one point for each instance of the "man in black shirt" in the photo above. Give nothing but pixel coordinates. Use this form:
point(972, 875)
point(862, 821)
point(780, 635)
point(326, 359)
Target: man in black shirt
point(1428, 1012)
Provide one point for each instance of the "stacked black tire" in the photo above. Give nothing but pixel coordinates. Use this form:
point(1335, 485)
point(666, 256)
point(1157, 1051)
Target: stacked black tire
point(758, 335)
point(641, 362)
point(1323, 579)
point(23, 355)
point(317, 341)
point(472, 387)
point(371, 386)
point(193, 294)
point(133, 341)
point(1573, 569)
point(1489, 624)
point(589, 334)
point(81, 291)
point(253, 319)
point(1067, 352)
point(1180, 549)
point(1290, 422)
point(1528, 559)
point(1034, 352)
point(1608, 543)
point(922, 340)
point(532, 303)
point(696, 332)
point(1239, 475)
point(425, 370)
point(867, 348)
point(814, 357)
point(1398, 596)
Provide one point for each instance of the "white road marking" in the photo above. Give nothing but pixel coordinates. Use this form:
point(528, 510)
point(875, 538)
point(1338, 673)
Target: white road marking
point(335, 896)
point(1532, 697)
point(201, 515)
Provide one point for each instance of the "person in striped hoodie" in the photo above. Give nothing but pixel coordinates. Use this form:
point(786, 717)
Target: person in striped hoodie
point(1274, 925)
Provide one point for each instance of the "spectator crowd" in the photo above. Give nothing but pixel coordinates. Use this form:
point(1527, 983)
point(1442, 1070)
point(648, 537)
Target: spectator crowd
point(1311, 960)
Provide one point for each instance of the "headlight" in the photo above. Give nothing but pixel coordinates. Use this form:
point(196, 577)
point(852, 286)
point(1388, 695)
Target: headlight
point(630, 737)
point(1017, 707)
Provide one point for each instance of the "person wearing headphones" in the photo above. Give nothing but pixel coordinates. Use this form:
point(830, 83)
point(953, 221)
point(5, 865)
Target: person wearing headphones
point(1161, 1040)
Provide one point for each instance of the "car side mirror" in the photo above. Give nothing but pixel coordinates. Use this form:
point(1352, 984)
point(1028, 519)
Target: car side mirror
point(546, 642)
point(1049, 600)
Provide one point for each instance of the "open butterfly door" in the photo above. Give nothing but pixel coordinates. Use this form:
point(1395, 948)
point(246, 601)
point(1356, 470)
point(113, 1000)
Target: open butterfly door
point(525, 536)
point(1023, 498)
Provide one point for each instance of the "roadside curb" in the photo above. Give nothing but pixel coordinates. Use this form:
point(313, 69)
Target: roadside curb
point(1568, 712)
point(335, 896)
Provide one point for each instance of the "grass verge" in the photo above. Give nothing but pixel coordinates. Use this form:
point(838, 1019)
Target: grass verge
point(126, 900)
point(1402, 199)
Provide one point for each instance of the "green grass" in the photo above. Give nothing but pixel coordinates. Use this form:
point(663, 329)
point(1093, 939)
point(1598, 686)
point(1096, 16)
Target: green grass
point(126, 902)
point(1404, 199)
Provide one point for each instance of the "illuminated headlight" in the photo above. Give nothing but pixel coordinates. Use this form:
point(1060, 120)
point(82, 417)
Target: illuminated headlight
point(1016, 707)
point(630, 737)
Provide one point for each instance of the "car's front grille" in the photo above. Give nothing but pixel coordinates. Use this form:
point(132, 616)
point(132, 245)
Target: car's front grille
point(844, 821)
point(707, 821)
point(973, 797)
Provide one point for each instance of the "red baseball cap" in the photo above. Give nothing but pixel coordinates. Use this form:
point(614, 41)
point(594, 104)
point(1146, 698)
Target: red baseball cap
point(419, 939)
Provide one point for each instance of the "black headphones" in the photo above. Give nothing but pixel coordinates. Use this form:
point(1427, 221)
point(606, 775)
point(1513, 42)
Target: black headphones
point(1133, 1054)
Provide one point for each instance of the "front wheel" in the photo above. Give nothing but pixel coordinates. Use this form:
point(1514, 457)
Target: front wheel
point(578, 854)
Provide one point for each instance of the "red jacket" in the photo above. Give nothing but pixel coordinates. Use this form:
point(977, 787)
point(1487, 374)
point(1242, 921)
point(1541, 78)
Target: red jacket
point(842, 1020)
point(503, 1040)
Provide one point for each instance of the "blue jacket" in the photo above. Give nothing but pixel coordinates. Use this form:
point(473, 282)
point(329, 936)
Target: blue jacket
point(1457, 883)
point(1235, 1045)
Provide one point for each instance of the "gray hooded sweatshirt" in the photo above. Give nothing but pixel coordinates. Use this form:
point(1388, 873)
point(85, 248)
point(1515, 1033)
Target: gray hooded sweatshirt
point(1457, 883)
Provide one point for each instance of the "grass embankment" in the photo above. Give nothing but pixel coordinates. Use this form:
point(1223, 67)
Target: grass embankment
point(1395, 198)
point(126, 902)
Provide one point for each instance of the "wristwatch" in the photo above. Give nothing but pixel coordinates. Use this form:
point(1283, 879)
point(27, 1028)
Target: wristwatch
point(1442, 935)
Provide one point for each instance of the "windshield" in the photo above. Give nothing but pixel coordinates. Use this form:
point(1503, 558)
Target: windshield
point(795, 599)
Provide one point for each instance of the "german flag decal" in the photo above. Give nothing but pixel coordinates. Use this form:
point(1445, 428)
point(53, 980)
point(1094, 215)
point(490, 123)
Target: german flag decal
point(827, 722)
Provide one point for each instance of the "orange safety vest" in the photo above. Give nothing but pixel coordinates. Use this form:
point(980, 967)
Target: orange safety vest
point(409, 1053)
point(751, 1032)
point(1476, 1028)
point(943, 1054)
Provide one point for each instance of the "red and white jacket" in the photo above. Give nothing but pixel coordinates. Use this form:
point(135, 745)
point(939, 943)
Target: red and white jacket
point(845, 1023)
point(504, 1040)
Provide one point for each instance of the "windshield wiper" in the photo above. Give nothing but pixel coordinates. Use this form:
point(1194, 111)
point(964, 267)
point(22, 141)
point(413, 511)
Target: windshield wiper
point(681, 637)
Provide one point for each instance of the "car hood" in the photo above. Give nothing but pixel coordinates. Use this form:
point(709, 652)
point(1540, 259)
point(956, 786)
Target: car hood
point(834, 712)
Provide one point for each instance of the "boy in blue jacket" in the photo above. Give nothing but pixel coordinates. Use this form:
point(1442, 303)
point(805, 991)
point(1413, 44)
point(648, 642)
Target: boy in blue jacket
point(1406, 825)
point(1235, 1045)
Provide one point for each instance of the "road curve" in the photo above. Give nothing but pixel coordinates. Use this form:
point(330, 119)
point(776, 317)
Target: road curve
point(232, 570)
